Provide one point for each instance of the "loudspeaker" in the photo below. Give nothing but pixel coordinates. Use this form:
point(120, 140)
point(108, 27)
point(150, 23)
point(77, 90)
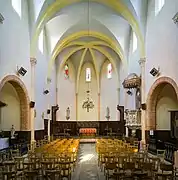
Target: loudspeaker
point(32, 104)
point(154, 72)
point(48, 111)
point(143, 106)
point(1, 18)
point(22, 71)
point(129, 92)
point(46, 91)
point(175, 18)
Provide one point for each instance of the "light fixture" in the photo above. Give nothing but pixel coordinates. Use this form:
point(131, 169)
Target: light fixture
point(175, 18)
point(143, 106)
point(48, 111)
point(88, 103)
point(46, 91)
point(32, 104)
point(22, 71)
point(1, 18)
point(129, 92)
point(155, 72)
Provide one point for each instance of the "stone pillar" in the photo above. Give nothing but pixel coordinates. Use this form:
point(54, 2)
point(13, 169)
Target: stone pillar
point(143, 113)
point(118, 95)
point(99, 97)
point(125, 106)
point(76, 100)
point(33, 62)
point(48, 107)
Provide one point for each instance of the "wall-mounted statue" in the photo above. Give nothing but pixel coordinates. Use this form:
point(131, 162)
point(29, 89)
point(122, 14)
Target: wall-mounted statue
point(138, 98)
point(107, 113)
point(12, 132)
point(68, 113)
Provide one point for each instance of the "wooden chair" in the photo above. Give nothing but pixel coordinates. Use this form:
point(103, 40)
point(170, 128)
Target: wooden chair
point(9, 170)
point(65, 166)
point(29, 170)
point(49, 169)
point(167, 172)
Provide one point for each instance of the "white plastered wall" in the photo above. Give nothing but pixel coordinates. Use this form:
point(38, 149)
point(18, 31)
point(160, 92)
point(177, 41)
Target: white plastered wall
point(109, 93)
point(161, 42)
point(66, 93)
point(15, 43)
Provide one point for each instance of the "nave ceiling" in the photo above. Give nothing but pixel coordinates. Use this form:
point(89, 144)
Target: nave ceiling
point(91, 26)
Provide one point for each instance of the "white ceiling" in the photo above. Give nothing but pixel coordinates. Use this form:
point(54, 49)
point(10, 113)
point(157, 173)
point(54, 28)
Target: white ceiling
point(75, 18)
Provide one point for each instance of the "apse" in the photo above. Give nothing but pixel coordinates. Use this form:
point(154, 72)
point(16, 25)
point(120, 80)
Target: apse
point(84, 86)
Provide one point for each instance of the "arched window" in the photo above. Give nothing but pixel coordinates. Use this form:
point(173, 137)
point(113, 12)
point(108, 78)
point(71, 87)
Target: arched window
point(41, 41)
point(88, 74)
point(109, 71)
point(158, 6)
point(66, 71)
point(134, 42)
point(17, 6)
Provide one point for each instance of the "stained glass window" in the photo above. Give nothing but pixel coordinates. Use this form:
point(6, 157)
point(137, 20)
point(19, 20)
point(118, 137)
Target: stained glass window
point(66, 71)
point(88, 74)
point(135, 43)
point(109, 71)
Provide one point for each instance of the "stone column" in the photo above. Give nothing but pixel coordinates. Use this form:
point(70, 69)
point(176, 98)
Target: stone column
point(143, 113)
point(118, 95)
point(33, 62)
point(48, 106)
point(76, 100)
point(99, 97)
point(125, 106)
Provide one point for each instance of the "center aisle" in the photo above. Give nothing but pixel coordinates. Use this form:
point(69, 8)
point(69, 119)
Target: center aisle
point(87, 165)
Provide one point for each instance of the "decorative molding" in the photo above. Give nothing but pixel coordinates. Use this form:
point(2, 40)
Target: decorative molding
point(33, 61)
point(142, 61)
point(49, 80)
point(1, 18)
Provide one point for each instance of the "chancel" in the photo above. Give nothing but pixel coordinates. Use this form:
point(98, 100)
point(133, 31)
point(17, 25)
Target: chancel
point(87, 84)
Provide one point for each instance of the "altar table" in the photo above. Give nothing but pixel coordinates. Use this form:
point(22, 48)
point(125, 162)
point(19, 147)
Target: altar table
point(87, 131)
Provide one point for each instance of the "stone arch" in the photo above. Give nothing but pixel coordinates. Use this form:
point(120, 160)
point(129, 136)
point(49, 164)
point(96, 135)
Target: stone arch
point(154, 91)
point(22, 92)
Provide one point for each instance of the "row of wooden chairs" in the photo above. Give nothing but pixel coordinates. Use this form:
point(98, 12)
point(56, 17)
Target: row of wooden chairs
point(53, 160)
point(121, 160)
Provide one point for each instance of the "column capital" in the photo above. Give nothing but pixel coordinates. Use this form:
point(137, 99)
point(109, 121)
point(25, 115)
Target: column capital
point(48, 80)
point(142, 61)
point(33, 61)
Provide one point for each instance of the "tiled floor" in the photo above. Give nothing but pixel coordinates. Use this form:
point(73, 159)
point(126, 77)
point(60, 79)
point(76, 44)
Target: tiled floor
point(87, 168)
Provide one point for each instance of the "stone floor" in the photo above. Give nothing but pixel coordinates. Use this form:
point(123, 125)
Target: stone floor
point(87, 168)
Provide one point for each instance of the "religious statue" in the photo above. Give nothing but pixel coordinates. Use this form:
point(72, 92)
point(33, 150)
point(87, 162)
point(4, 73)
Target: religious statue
point(138, 99)
point(12, 132)
point(68, 113)
point(107, 113)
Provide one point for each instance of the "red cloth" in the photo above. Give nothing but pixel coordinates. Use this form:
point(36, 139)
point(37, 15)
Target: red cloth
point(87, 131)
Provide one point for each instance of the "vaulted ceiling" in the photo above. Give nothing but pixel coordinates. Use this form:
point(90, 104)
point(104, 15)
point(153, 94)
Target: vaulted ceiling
point(89, 28)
